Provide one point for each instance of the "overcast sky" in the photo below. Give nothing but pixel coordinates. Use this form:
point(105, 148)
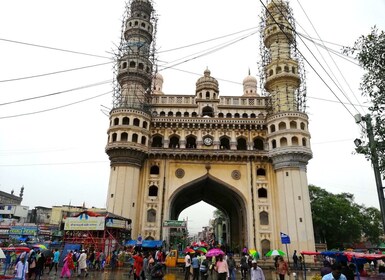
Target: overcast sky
point(58, 155)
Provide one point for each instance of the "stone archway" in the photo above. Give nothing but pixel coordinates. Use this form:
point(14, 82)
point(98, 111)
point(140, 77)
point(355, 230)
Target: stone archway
point(218, 194)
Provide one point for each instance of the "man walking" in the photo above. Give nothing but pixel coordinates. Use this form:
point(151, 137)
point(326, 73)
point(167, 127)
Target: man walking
point(55, 261)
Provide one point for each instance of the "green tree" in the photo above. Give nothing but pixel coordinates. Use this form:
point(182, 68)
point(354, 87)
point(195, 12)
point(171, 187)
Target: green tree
point(369, 50)
point(338, 221)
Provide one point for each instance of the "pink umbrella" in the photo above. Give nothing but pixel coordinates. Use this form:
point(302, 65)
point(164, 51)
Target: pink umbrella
point(214, 252)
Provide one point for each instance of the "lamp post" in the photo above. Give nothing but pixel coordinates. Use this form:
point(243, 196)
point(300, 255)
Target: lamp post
point(374, 159)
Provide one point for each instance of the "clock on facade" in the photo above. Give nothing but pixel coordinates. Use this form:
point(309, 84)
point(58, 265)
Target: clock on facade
point(208, 141)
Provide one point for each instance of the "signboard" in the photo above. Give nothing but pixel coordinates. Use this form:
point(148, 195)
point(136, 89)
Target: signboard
point(116, 223)
point(285, 239)
point(80, 223)
point(175, 224)
point(20, 230)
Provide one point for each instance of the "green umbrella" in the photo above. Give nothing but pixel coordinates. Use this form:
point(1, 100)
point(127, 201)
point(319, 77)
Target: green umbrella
point(273, 253)
point(201, 249)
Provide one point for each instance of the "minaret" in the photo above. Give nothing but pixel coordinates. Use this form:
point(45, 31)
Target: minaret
point(288, 134)
point(128, 134)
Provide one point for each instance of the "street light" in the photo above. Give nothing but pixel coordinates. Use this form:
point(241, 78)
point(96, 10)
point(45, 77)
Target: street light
point(372, 145)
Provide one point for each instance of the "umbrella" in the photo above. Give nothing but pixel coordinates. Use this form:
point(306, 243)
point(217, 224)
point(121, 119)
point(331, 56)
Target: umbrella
point(2, 255)
point(47, 253)
point(202, 249)
point(17, 249)
point(40, 246)
point(188, 250)
point(272, 253)
point(254, 253)
point(214, 252)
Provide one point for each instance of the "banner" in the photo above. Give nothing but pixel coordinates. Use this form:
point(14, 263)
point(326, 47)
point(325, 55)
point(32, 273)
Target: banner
point(88, 223)
point(285, 239)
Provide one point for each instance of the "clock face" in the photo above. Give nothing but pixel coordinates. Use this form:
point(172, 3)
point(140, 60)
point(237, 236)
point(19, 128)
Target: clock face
point(208, 141)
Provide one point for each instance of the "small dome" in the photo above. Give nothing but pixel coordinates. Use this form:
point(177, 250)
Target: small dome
point(250, 86)
point(157, 84)
point(207, 82)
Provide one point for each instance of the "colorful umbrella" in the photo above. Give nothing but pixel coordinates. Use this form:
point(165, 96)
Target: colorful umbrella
point(214, 252)
point(273, 253)
point(40, 246)
point(254, 254)
point(202, 249)
point(188, 250)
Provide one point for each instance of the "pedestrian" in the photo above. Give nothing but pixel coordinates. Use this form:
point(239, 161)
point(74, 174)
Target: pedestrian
point(66, 270)
point(336, 273)
point(21, 268)
point(256, 273)
point(222, 268)
point(55, 261)
point(295, 260)
point(232, 266)
point(31, 264)
point(138, 265)
point(326, 269)
point(187, 265)
point(282, 268)
point(195, 266)
point(204, 268)
point(244, 266)
point(39, 265)
point(7, 261)
point(82, 263)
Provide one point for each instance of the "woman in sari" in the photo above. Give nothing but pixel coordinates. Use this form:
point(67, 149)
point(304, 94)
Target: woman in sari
point(68, 265)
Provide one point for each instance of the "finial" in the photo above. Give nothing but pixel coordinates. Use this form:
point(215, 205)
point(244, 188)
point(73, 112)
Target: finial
point(21, 191)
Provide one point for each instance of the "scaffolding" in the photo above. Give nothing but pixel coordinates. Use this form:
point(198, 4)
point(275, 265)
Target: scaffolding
point(140, 48)
point(298, 100)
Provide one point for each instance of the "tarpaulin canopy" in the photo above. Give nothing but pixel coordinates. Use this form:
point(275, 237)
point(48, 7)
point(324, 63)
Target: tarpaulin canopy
point(146, 243)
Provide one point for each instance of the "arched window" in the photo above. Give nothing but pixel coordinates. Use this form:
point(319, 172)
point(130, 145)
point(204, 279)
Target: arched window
point(207, 95)
point(241, 144)
point(261, 172)
point(194, 114)
point(283, 142)
point(220, 115)
point(225, 143)
point(208, 111)
point(236, 115)
point(278, 70)
point(263, 218)
point(157, 141)
point(170, 114)
point(136, 122)
point(178, 114)
point(153, 191)
point(228, 115)
point(132, 64)
point(145, 124)
point(124, 136)
point(151, 216)
point(245, 116)
point(114, 137)
point(302, 126)
point(294, 141)
point(141, 66)
point(253, 116)
point(274, 144)
point(154, 170)
point(174, 142)
point(262, 193)
point(271, 72)
point(162, 114)
point(191, 142)
point(265, 245)
point(258, 144)
point(286, 68)
point(135, 138)
point(272, 128)
point(282, 126)
point(126, 121)
point(293, 125)
point(304, 142)
point(116, 121)
point(186, 114)
point(144, 140)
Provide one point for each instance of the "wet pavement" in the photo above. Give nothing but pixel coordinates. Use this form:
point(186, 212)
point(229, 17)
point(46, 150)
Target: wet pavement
point(171, 274)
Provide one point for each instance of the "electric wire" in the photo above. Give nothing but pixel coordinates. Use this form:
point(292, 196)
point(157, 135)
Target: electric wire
point(53, 73)
point(53, 48)
point(55, 93)
point(280, 27)
point(335, 64)
point(55, 108)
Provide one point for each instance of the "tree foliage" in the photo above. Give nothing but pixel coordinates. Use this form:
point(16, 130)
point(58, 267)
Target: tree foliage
point(338, 220)
point(369, 50)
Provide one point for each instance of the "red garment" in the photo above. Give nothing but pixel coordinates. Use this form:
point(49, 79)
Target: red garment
point(138, 264)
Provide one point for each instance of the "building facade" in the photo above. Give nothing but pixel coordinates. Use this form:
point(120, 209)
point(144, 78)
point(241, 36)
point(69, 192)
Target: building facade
point(246, 155)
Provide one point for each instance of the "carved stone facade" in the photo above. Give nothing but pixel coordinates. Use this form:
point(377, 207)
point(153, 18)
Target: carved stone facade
point(236, 153)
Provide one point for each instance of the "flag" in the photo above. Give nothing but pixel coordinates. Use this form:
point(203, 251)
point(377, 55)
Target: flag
point(285, 239)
